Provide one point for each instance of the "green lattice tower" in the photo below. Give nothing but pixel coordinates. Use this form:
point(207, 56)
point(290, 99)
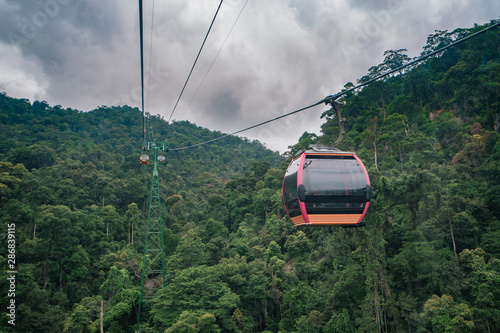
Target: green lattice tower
point(153, 266)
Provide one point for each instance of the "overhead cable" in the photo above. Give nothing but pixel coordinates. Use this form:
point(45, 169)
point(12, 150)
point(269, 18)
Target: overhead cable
point(248, 128)
point(218, 52)
point(149, 122)
point(338, 95)
point(142, 71)
point(331, 98)
point(150, 53)
point(194, 64)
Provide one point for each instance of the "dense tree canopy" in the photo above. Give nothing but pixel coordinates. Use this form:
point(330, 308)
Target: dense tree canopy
point(427, 261)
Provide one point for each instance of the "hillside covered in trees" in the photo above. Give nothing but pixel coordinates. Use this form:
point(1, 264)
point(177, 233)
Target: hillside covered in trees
point(72, 188)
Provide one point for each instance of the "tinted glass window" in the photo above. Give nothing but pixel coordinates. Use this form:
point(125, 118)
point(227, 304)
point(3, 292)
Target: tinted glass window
point(334, 185)
point(290, 189)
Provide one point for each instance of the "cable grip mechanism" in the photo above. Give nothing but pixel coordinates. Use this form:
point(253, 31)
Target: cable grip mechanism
point(331, 100)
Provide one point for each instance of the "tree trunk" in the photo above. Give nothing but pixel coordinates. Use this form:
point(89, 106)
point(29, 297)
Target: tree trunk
point(44, 273)
point(405, 126)
point(102, 315)
point(387, 293)
point(400, 156)
point(61, 273)
point(451, 231)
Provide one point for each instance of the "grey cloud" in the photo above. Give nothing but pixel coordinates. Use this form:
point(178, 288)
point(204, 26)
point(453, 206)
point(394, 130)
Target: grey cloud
point(282, 54)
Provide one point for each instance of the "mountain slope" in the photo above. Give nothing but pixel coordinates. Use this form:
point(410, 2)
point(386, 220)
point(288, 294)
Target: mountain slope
point(72, 187)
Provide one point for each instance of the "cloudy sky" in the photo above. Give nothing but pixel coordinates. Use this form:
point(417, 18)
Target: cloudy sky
point(279, 56)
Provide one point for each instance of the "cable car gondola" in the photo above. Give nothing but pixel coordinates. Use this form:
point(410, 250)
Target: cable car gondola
point(144, 159)
point(325, 186)
point(161, 159)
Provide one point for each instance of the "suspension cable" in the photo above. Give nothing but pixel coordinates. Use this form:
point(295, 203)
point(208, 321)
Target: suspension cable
point(150, 55)
point(332, 98)
point(148, 131)
point(336, 96)
point(142, 72)
point(248, 128)
point(194, 64)
point(217, 55)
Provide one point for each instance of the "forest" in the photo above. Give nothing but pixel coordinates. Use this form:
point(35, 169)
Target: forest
point(74, 197)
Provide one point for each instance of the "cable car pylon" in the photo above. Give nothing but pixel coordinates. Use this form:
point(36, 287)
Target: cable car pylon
point(153, 264)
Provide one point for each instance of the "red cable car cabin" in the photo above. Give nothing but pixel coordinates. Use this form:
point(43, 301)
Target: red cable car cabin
point(144, 159)
point(325, 187)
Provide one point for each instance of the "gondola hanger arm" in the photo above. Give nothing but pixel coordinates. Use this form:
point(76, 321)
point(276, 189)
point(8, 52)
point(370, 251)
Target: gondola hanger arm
point(331, 100)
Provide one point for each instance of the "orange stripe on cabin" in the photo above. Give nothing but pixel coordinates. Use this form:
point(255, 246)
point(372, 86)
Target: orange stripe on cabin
point(324, 220)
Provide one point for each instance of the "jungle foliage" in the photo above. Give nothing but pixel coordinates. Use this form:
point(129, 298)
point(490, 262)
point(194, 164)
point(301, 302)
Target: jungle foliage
point(427, 261)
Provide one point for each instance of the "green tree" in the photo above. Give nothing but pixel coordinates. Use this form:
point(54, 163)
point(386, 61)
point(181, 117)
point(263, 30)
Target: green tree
point(340, 323)
point(194, 322)
point(52, 224)
point(85, 316)
point(122, 298)
point(133, 217)
point(196, 289)
point(442, 314)
point(189, 252)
